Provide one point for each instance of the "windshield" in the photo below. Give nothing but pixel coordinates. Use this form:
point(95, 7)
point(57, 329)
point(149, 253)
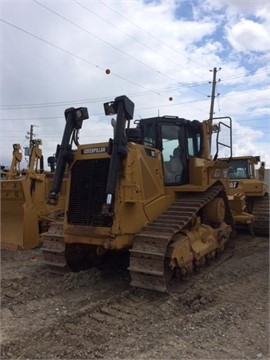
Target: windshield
point(239, 169)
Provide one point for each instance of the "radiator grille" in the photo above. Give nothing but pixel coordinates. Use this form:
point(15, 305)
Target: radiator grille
point(88, 193)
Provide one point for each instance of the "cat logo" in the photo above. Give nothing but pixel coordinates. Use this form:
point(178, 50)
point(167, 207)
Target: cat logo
point(233, 184)
point(96, 150)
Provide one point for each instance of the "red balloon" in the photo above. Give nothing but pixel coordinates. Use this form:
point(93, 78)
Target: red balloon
point(170, 98)
point(107, 71)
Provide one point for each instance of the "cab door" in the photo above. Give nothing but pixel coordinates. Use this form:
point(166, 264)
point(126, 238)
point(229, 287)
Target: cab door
point(173, 147)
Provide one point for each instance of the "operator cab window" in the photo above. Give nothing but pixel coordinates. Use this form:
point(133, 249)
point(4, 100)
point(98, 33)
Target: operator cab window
point(150, 135)
point(173, 155)
point(194, 145)
point(171, 139)
point(239, 170)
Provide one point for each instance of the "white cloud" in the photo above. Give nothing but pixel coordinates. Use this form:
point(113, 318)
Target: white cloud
point(244, 103)
point(245, 141)
point(236, 7)
point(248, 35)
point(264, 111)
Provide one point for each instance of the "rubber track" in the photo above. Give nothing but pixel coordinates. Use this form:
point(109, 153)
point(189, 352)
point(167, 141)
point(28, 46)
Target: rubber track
point(147, 256)
point(261, 212)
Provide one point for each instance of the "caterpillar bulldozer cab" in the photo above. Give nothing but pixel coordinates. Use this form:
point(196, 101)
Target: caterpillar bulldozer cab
point(153, 190)
point(24, 209)
point(244, 180)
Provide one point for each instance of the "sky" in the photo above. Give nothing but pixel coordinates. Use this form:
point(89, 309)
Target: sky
point(161, 54)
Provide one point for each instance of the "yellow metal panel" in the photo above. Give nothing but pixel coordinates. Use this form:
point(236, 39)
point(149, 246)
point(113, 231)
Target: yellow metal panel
point(19, 219)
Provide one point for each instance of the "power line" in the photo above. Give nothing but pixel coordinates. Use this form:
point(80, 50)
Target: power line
point(93, 100)
point(106, 42)
point(94, 64)
point(90, 63)
point(130, 36)
point(33, 118)
point(101, 99)
point(51, 44)
point(98, 114)
point(244, 74)
point(240, 122)
point(256, 72)
point(146, 32)
point(236, 132)
point(73, 55)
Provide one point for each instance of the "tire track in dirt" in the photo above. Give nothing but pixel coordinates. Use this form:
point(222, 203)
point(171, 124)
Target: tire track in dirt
point(109, 319)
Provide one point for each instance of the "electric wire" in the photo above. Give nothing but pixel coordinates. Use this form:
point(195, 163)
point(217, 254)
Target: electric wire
point(108, 43)
point(132, 37)
point(146, 32)
point(108, 98)
point(101, 113)
point(227, 78)
point(102, 99)
point(93, 100)
point(74, 55)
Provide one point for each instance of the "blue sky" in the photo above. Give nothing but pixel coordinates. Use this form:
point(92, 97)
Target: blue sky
point(55, 53)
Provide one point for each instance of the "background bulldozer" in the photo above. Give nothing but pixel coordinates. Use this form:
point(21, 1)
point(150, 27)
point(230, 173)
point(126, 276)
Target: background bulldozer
point(24, 209)
point(153, 190)
point(244, 180)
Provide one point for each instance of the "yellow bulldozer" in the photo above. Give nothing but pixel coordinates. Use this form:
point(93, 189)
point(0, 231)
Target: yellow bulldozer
point(244, 180)
point(153, 189)
point(24, 209)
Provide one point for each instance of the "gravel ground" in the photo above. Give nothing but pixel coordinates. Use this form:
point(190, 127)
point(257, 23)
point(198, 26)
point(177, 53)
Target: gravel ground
point(222, 314)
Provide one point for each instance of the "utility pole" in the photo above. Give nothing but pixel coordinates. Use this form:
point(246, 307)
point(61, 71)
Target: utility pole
point(30, 135)
point(213, 94)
